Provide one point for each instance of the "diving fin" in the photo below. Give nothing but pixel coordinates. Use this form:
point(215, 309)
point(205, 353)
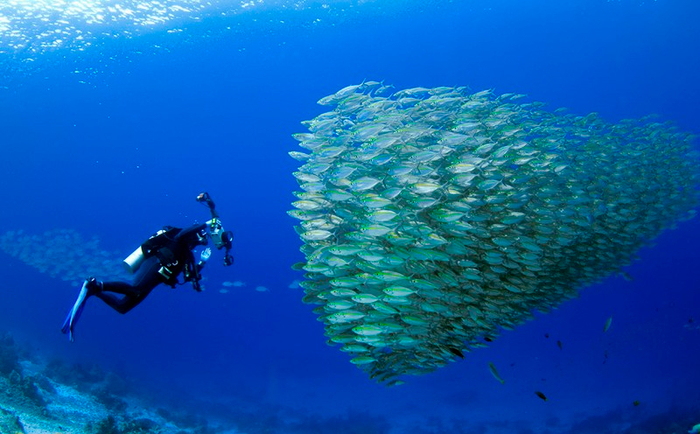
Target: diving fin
point(74, 313)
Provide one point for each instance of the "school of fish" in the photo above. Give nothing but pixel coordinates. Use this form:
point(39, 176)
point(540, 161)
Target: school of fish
point(64, 254)
point(432, 219)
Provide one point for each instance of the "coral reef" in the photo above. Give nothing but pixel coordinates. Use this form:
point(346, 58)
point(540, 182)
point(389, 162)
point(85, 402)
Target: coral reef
point(58, 397)
point(79, 375)
point(10, 423)
point(26, 387)
point(112, 402)
point(110, 425)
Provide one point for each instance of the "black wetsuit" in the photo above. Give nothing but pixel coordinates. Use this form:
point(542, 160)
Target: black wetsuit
point(175, 253)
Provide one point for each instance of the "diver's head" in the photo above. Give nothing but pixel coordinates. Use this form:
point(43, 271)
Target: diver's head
point(202, 237)
point(221, 238)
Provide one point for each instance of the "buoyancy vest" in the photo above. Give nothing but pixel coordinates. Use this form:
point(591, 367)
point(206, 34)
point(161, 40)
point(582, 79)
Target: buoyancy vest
point(163, 245)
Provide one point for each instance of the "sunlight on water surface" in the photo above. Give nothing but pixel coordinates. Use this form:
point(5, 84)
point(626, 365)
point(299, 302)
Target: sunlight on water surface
point(39, 25)
point(36, 26)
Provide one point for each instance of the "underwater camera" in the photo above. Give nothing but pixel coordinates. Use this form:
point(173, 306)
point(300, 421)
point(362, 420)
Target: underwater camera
point(218, 235)
point(206, 200)
point(222, 239)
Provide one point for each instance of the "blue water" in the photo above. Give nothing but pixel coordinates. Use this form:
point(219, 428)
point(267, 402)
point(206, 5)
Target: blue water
point(116, 140)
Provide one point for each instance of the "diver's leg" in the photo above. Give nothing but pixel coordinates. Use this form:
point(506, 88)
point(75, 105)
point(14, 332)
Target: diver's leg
point(132, 296)
point(145, 280)
point(90, 287)
point(122, 288)
point(146, 276)
point(123, 304)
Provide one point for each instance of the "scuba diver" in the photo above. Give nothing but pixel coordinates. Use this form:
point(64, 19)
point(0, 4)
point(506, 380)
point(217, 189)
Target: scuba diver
point(160, 259)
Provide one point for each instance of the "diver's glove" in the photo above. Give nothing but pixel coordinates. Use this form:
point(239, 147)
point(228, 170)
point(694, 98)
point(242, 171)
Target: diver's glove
point(205, 255)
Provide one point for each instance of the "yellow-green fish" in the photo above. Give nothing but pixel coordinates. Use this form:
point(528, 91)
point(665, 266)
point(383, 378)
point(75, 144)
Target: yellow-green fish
point(494, 372)
point(607, 324)
point(345, 316)
point(367, 330)
point(399, 291)
point(362, 360)
point(339, 304)
point(364, 298)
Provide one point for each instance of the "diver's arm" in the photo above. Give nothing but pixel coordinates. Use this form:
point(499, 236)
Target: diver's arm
point(191, 273)
point(203, 258)
point(192, 270)
point(192, 231)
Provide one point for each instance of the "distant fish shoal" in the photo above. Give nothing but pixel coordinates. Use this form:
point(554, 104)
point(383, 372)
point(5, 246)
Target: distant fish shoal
point(64, 254)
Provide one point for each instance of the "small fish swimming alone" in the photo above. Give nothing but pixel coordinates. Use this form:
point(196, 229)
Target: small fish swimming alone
point(494, 372)
point(607, 324)
point(559, 345)
point(541, 395)
point(456, 352)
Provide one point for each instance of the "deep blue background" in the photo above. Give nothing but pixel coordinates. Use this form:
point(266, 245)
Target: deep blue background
point(117, 140)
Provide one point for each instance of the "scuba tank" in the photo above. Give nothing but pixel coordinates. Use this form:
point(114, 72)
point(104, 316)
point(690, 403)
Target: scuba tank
point(150, 247)
point(133, 262)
